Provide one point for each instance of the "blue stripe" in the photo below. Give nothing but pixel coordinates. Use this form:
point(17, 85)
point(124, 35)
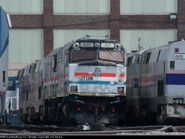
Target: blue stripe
point(96, 82)
point(175, 79)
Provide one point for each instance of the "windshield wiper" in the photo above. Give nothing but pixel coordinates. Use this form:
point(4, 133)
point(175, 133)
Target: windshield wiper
point(97, 63)
point(90, 62)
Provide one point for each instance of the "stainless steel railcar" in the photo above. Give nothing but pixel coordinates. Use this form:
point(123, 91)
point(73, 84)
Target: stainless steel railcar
point(156, 84)
point(82, 82)
point(4, 39)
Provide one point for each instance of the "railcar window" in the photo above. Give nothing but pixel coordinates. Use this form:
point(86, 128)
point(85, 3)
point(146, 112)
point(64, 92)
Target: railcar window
point(129, 61)
point(18, 74)
point(42, 63)
point(33, 68)
point(26, 71)
point(55, 63)
point(172, 64)
point(148, 57)
point(37, 67)
point(160, 87)
point(111, 56)
point(83, 55)
point(30, 68)
point(26, 94)
point(143, 58)
point(139, 59)
point(39, 92)
point(134, 59)
point(21, 73)
point(4, 76)
point(158, 55)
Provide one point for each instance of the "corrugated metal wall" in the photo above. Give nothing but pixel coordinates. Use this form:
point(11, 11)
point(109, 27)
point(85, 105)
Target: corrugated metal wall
point(149, 38)
point(61, 37)
point(22, 6)
point(148, 6)
point(82, 6)
point(25, 46)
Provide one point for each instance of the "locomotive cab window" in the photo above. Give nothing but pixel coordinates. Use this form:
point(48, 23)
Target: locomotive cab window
point(113, 56)
point(83, 55)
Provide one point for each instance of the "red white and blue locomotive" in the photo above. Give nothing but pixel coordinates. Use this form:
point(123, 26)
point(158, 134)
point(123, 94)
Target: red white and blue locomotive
point(82, 82)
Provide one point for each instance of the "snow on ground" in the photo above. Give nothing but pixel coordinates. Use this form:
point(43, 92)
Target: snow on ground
point(155, 133)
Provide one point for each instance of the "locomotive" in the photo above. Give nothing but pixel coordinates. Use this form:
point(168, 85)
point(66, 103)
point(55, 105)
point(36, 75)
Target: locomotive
point(82, 82)
point(156, 84)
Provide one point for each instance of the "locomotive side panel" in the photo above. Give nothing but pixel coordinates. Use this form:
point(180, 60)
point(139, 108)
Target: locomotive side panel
point(61, 77)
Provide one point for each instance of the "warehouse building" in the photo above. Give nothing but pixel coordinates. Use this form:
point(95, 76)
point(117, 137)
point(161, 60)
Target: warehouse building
point(39, 26)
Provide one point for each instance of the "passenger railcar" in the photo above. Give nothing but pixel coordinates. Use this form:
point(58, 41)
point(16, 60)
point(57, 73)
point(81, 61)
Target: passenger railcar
point(156, 84)
point(4, 39)
point(82, 82)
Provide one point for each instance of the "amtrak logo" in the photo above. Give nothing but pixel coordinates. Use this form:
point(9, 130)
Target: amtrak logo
point(86, 78)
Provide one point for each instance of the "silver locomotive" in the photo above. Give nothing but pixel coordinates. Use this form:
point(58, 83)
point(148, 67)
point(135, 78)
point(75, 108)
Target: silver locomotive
point(82, 82)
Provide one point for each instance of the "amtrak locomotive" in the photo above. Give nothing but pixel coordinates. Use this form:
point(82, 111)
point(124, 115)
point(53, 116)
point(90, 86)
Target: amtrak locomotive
point(156, 84)
point(82, 82)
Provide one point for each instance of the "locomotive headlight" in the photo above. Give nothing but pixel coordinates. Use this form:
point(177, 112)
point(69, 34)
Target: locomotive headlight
point(121, 89)
point(117, 46)
point(74, 88)
point(76, 46)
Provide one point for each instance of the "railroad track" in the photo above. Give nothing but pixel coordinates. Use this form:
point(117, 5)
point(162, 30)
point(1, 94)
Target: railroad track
point(31, 130)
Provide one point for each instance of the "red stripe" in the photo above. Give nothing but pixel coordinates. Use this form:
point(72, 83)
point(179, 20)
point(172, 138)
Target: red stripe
point(51, 79)
point(122, 75)
point(93, 74)
point(108, 75)
point(56, 78)
point(175, 71)
point(82, 74)
point(3, 91)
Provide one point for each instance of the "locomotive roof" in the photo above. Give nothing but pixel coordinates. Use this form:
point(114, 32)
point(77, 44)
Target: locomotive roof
point(165, 46)
point(69, 44)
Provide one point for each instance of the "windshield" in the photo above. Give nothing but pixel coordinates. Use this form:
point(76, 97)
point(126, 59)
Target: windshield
point(91, 54)
point(83, 55)
point(111, 56)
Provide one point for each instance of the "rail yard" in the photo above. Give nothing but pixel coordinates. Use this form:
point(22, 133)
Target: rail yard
point(102, 68)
